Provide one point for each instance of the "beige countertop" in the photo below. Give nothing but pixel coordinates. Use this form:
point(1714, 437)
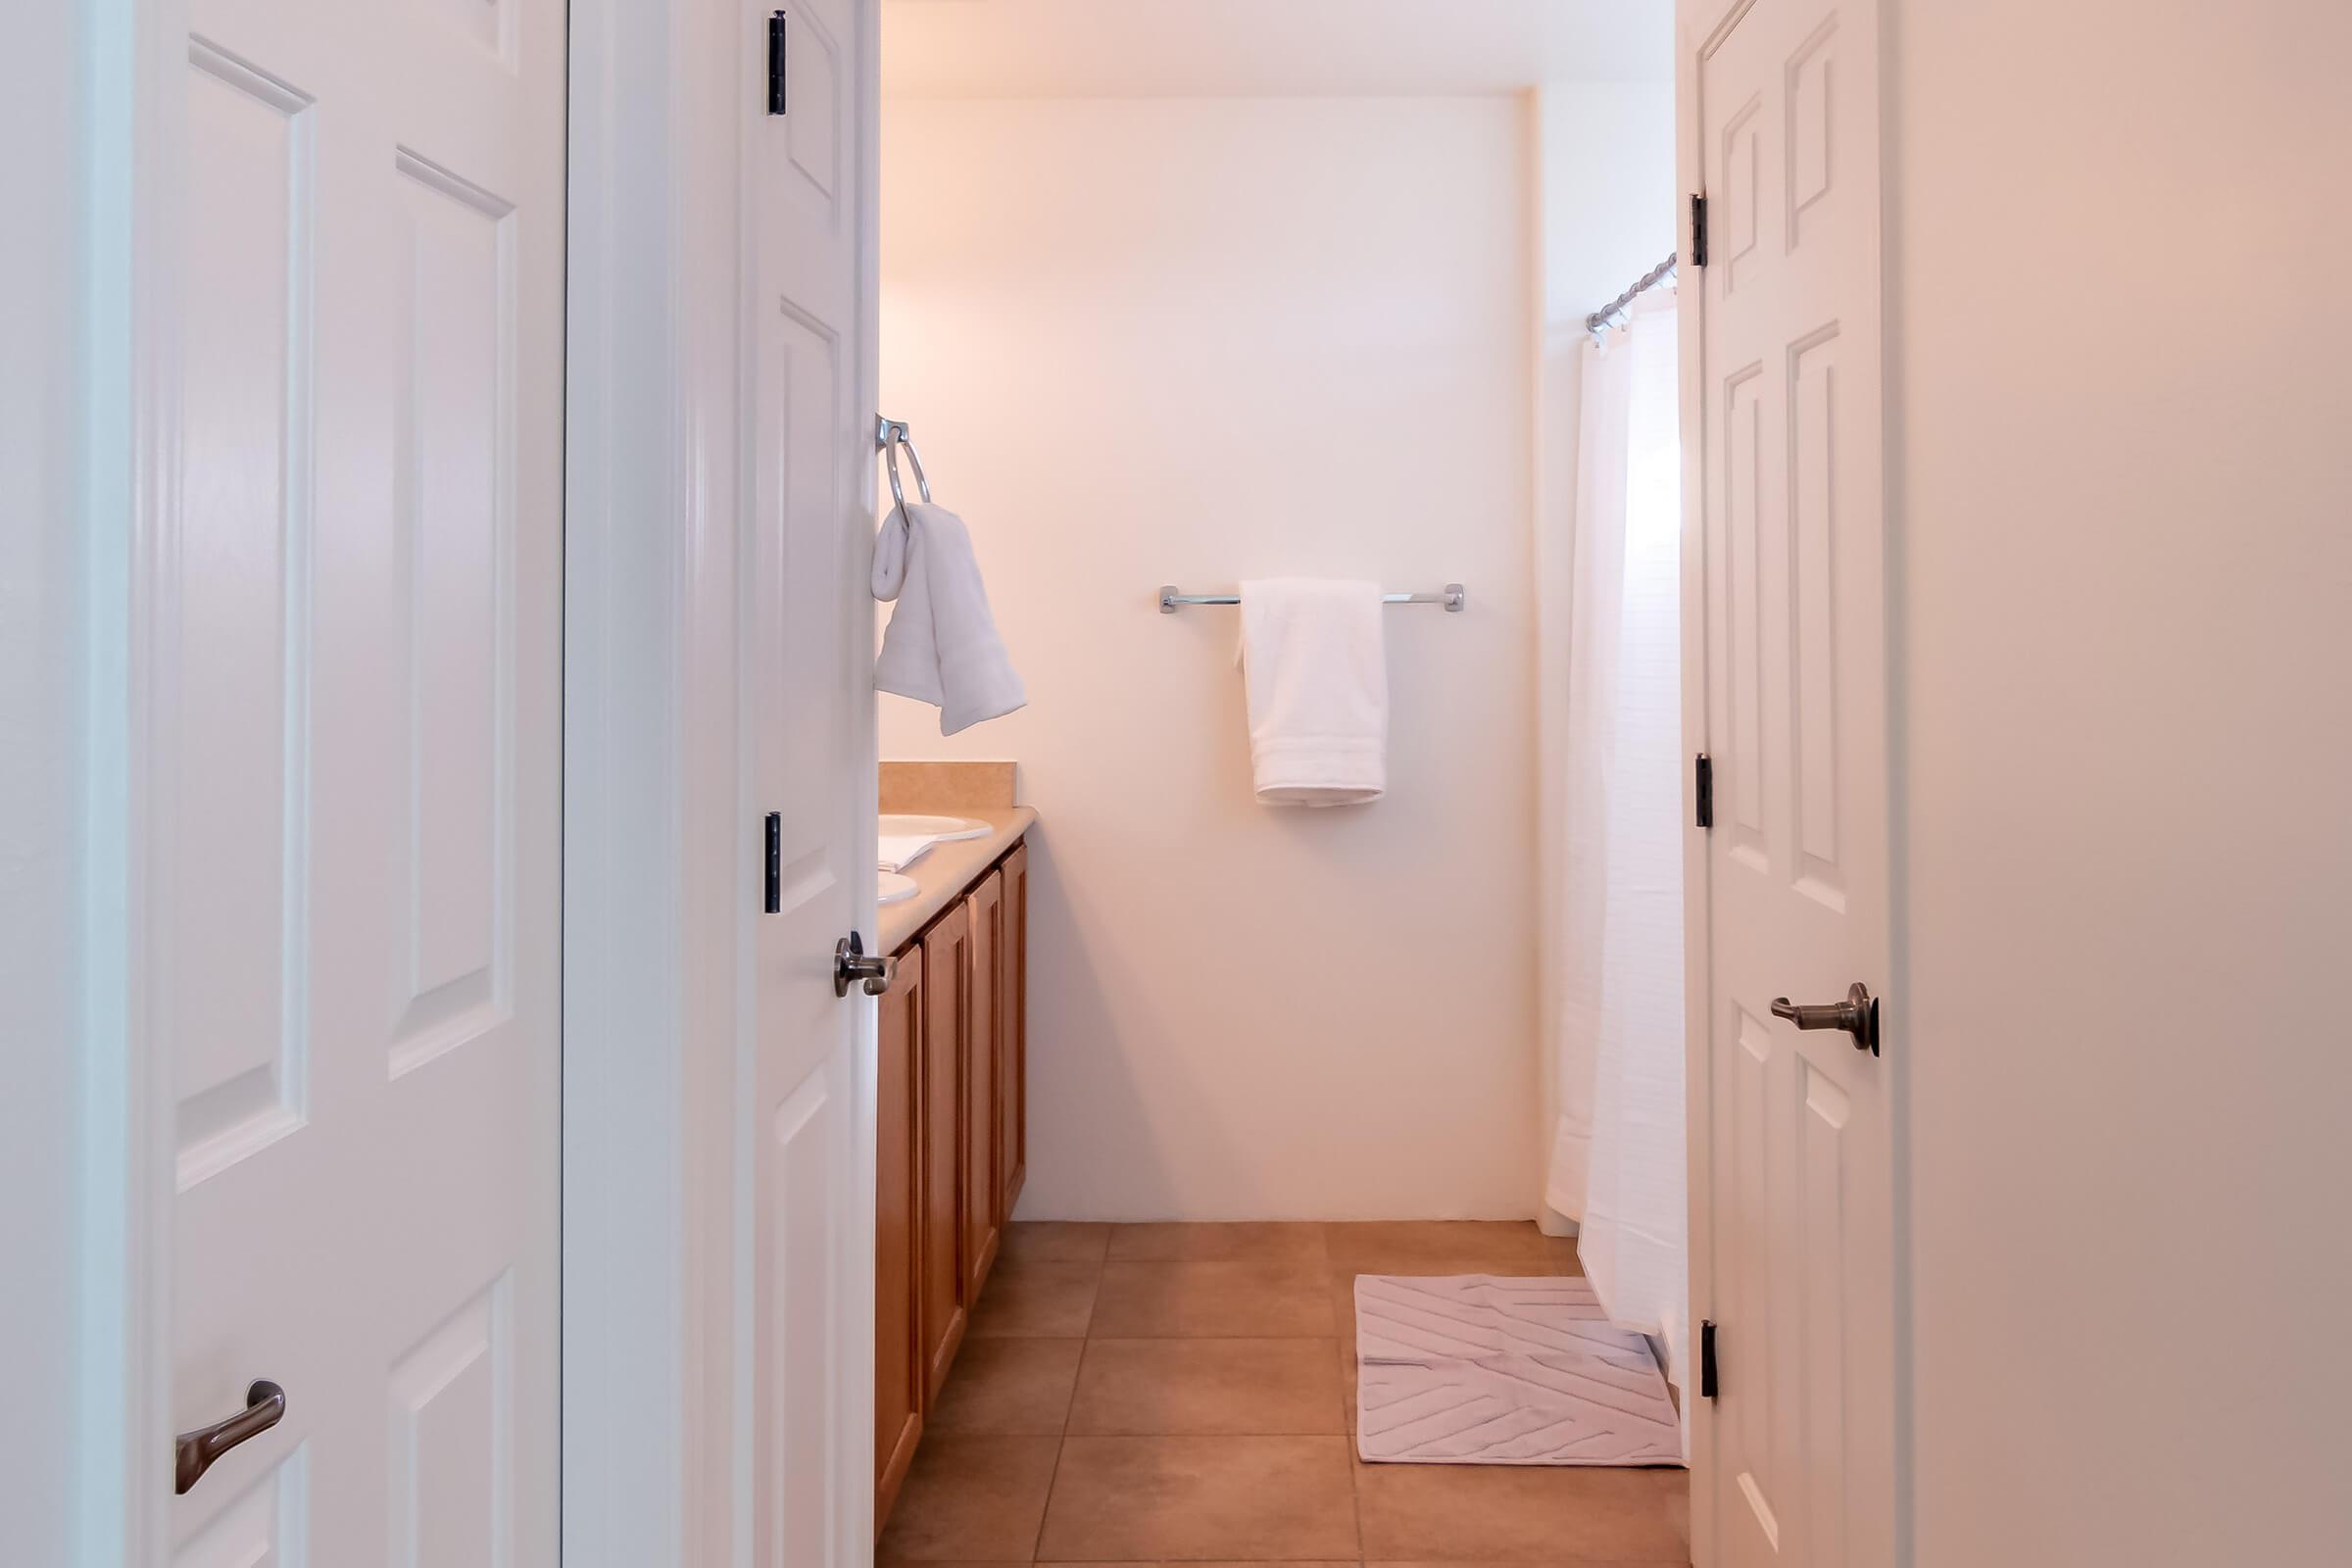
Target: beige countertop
point(946, 870)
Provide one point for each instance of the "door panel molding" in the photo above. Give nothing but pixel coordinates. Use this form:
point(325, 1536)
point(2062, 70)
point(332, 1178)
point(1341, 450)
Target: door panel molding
point(343, 787)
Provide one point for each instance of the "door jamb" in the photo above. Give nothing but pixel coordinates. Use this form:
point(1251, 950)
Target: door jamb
point(659, 841)
point(1698, 22)
point(128, 61)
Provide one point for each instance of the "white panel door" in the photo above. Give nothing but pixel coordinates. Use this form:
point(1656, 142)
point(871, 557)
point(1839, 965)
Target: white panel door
point(350, 768)
point(808, 617)
point(1794, 1203)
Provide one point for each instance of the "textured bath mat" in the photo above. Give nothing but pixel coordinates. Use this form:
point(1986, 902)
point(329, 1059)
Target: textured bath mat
point(1481, 1369)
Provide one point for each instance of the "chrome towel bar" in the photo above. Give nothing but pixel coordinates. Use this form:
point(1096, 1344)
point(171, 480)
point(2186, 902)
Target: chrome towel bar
point(1450, 596)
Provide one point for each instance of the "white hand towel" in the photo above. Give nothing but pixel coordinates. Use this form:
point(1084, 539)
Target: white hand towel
point(1317, 678)
point(899, 851)
point(942, 647)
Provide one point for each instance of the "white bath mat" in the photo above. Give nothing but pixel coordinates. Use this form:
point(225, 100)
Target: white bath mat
point(1481, 1369)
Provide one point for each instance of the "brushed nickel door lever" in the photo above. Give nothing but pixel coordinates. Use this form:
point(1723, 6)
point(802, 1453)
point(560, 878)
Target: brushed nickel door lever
point(264, 1407)
point(1857, 1015)
point(853, 965)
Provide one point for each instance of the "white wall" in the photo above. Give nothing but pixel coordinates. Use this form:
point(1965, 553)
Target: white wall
point(2122, 505)
point(1610, 204)
point(1190, 341)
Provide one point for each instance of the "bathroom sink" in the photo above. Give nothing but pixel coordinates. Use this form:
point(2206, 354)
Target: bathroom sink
point(892, 888)
point(939, 829)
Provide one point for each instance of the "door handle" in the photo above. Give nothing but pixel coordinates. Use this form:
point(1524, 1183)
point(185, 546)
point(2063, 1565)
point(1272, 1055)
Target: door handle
point(1857, 1015)
point(264, 1407)
point(872, 973)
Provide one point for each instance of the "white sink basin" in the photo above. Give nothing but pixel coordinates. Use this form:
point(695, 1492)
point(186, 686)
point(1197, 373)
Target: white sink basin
point(938, 829)
point(892, 888)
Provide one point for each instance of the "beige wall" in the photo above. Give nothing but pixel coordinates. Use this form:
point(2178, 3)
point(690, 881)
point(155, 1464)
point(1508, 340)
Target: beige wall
point(2124, 515)
point(1190, 341)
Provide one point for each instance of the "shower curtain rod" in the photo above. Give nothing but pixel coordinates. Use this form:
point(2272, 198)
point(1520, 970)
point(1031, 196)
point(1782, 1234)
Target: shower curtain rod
point(1648, 280)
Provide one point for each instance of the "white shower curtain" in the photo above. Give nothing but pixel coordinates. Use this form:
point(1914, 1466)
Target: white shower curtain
point(1616, 947)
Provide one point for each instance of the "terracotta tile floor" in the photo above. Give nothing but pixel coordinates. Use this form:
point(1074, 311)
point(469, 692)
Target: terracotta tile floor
point(1185, 1394)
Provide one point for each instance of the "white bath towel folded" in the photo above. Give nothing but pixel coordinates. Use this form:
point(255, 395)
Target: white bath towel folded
point(1317, 679)
point(942, 647)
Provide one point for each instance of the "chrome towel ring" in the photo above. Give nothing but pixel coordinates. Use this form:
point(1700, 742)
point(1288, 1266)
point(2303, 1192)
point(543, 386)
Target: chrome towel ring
point(889, 436)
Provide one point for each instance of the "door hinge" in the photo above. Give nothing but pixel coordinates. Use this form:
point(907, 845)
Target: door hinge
point(773, 900)
point(1698, 228)
point(1704, 787)
point(1706, 1359)
point(776, 63)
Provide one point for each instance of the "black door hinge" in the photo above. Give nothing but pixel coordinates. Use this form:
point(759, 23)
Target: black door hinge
point(1704, 788)
point(776, 63)
point(1698, 228)
point(1706, 1360)
point(773, 900)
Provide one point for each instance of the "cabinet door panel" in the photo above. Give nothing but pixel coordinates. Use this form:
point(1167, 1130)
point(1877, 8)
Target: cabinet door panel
point(899, 1363)
point(946, 971)
point(982, 1192)
point(1012, 1045)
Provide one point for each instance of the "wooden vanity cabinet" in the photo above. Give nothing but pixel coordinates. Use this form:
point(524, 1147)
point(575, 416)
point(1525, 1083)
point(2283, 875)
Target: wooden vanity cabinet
point(984, 1078)
point(899, 1363)
point(1012, 1007)
point(950, 1145)
point(942, 1294)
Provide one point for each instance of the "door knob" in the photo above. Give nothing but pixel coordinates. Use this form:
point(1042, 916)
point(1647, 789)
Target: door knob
point(264, 1407)
point(851, 962)
point(1857, 1015)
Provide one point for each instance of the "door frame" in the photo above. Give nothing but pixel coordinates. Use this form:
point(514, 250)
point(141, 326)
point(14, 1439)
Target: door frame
point(1698, 24)
point(659, 1020)
point(115, 1169)
point(655, 1172)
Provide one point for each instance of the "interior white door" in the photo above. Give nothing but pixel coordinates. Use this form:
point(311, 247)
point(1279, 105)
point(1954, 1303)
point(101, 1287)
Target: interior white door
point(1793, 1187)
point(350, 765)
point(808, 702)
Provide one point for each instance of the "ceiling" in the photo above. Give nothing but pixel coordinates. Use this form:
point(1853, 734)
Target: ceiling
point(1235, 48)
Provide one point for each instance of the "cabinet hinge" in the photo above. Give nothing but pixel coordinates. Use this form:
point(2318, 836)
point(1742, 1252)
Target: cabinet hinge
point(1698, 230)
point(776, 63)
point(1703, 771)
point(1706, 1359)
point(773, 900)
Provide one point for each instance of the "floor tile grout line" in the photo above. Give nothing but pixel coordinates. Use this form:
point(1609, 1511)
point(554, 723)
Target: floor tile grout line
point(1204, 1339)
point(1037, 1543)
point(1161, 1436)
point(1355, 1498)
point(1355, 1488)
point(1061, 1443)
